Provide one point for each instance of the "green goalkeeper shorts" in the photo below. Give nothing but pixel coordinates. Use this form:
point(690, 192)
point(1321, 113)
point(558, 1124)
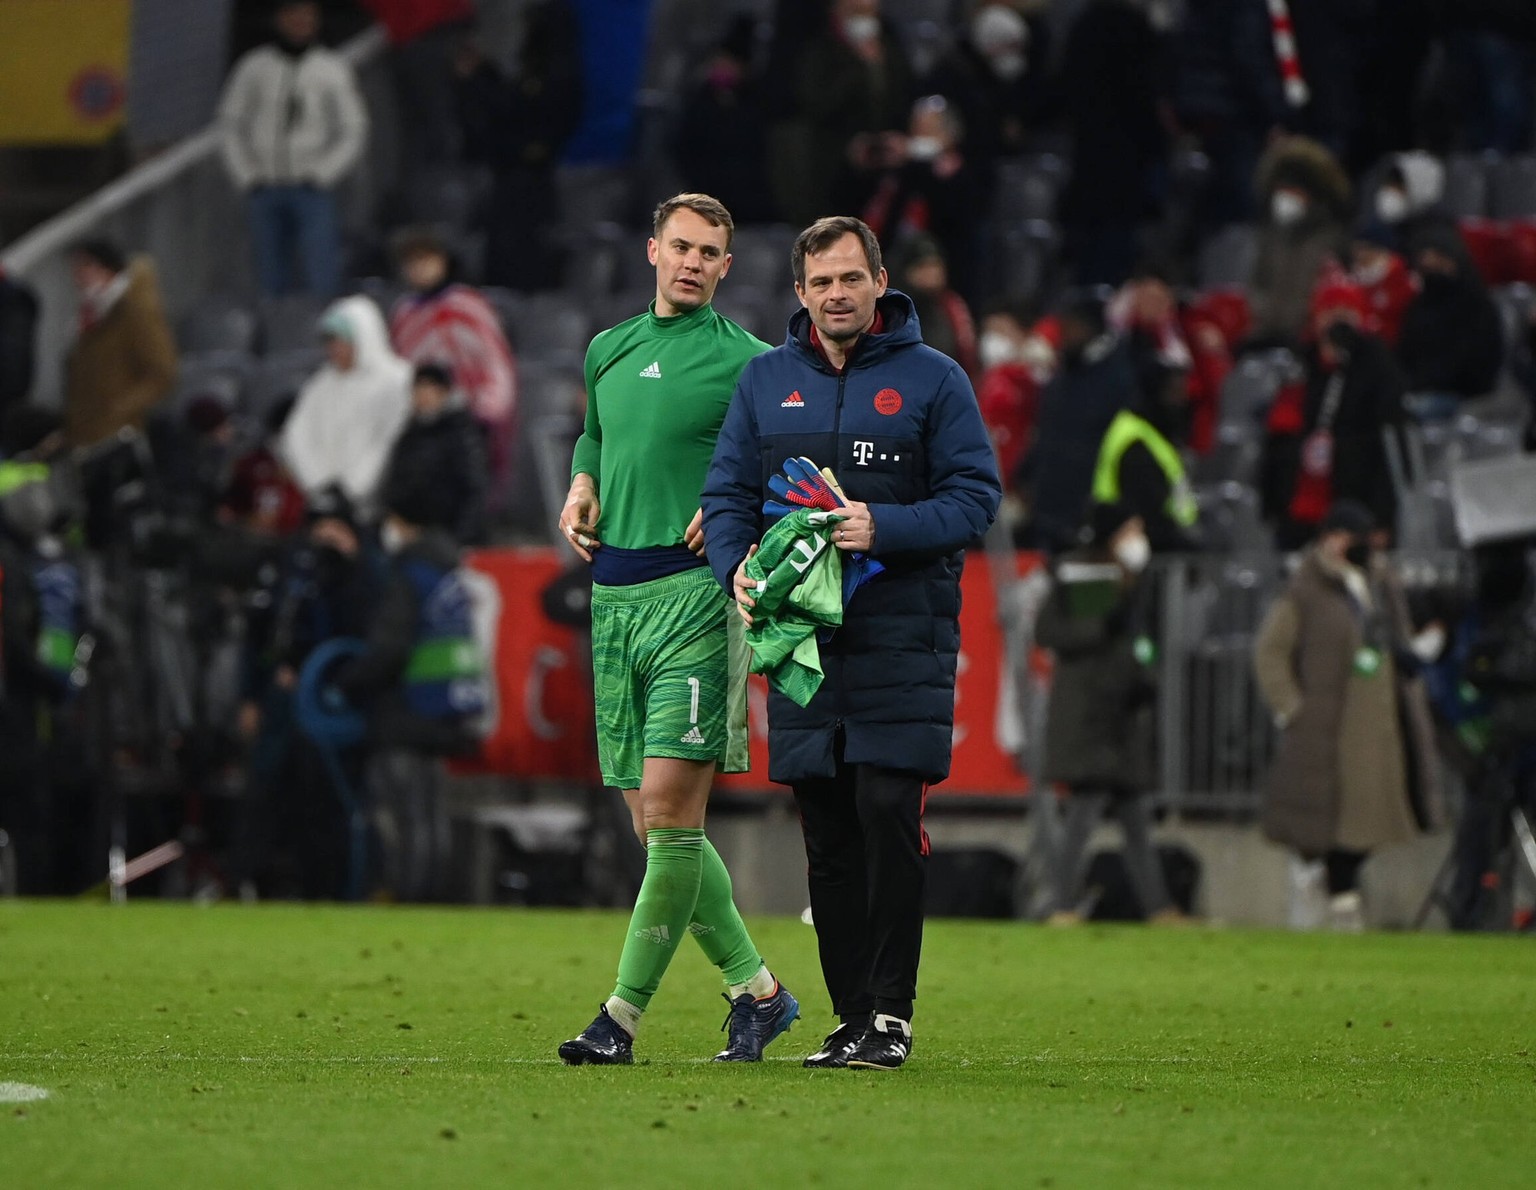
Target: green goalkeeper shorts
point(670, 661)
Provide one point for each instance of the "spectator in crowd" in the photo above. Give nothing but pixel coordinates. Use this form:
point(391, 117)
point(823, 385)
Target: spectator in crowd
point(854, 87)
point(123, 363)
point(1324, 435)
point(923, 275)
point(1110, 96)
point(441, 321)
point(1139, 469)
point(1094, 382)
point(994, 78)
point(1098, 728)
point(1407, 197)
point(1384, 277)
point(1009, 390)
point(262, 497)
point(1179, 353)
point(291, 834)
point(519, 126)
point(1306, 199)
point(350, 412)
point(1452, 341)
point(18, 340)
point(1325, 663)
point(294, 127)
point(423, 35)
point(442, 449)
point(422, 680)
point(929, 188)
point(722, 132)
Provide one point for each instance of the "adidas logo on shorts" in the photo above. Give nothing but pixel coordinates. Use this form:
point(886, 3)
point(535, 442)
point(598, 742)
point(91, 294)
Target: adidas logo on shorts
point(694, 736)
point(657, 934)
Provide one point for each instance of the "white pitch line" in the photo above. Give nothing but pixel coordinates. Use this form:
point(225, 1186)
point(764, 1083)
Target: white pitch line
point(21, 1093)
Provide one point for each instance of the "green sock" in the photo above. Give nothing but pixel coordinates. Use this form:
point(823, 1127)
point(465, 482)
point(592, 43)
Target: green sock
point(717, 925)
point(662, 911)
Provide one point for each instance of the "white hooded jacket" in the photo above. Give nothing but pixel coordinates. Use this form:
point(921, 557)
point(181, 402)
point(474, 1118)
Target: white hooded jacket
point(292, 120)
point(344, 424)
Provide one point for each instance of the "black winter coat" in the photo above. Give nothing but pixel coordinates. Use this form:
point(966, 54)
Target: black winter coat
point(446, 456)
point(1451, 340)
point(1075, 411)
point(901, 428)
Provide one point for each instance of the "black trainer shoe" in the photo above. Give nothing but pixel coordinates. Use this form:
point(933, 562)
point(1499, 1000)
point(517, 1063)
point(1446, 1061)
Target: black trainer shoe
point(602, 1043)
point(834, 1051)
point(754, 1023)
point(885, 1045)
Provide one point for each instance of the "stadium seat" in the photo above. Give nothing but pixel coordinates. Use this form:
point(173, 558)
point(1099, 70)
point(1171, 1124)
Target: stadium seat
point(760, 259)
point(1022, 257)
point(1228, 257)
point(552, 325)
point(1466, 186)
point(591, 271)
point(279, 376)
point(289, 323)
point(1512, 188)
point(1027, 187)
point(218, 324)
point(509, 305)
point(452, 195)
point(221, 373)
point(1250, 388)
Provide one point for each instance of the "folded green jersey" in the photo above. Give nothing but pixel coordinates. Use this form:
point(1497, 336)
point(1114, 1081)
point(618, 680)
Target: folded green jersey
point(799, 577)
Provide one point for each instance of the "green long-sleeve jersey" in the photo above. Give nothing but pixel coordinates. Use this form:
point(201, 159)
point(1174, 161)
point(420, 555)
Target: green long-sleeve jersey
point(657, 392)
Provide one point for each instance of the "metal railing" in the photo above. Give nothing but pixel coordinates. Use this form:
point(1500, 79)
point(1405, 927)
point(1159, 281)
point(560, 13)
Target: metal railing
point(182, 210)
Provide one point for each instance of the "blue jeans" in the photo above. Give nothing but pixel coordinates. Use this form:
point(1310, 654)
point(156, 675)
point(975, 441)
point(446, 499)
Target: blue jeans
point(295, 219)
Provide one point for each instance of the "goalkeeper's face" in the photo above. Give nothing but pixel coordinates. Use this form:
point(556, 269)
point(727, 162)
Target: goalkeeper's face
point(690, 258)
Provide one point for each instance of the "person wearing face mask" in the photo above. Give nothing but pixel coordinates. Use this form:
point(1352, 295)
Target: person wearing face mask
point(1452, 342)
point(294, 126)
point(442, 445)
point(854, 87)
point(1323, 434)
point(1406, 200)
point(1305, 195)
point(1383, 276)
point(1326, 663)
point(1009, 391)
point(1098, 730)
point(123, 363)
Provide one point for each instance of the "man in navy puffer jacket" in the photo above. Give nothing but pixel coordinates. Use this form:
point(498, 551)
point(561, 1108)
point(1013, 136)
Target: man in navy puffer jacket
point(854, 388)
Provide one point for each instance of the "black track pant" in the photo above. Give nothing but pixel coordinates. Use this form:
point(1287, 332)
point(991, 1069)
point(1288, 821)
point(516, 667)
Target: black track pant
point(865, 849)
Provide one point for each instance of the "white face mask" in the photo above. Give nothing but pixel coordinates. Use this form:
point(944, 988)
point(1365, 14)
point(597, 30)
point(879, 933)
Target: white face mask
point(861, 30)
point(924, 148)
point(997, 348)
point(1134, 552)
point(1287, 207)
point(1391, 205)
point(391, 537)
point(1009, 66)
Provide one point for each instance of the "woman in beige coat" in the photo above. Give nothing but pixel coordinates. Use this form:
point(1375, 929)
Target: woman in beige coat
point(1339, 787)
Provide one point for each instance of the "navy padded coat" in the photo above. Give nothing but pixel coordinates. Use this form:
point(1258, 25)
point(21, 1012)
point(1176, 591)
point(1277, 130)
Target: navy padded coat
point(901, 428)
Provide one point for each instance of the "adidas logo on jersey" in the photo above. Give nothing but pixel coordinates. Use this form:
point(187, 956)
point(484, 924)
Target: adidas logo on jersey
point(653, 372)
point(694, 736)
point(793, 401)
point(656, 934)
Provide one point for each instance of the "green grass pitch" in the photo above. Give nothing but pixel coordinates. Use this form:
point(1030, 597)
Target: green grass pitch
point(288, 1046)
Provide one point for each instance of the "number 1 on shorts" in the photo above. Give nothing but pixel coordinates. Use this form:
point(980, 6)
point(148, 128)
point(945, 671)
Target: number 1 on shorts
point(693, 702)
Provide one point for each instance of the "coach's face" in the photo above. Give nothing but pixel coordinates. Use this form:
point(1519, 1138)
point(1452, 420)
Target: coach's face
point(839, 291)
point(690, 258)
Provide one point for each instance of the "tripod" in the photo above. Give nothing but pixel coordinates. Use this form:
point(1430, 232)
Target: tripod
point(1494, 850)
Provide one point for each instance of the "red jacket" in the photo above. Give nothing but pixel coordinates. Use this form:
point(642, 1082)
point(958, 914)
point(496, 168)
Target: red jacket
point(406, 20)
point(1009, 399)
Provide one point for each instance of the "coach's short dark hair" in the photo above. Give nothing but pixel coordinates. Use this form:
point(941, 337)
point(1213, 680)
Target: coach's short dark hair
point(822, 234)
point(709, 209)
point(103, 252)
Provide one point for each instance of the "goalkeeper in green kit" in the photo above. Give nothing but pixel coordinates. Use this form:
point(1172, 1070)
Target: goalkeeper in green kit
point(669, 658)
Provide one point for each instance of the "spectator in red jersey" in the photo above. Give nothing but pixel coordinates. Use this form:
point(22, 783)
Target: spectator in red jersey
point(1009, 390)
point(441, 321)
point(261, 495)
point(1383, 275)
point(1324, 437)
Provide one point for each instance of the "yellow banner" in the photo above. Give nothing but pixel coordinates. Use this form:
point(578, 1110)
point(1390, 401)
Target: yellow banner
point(63, 70)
